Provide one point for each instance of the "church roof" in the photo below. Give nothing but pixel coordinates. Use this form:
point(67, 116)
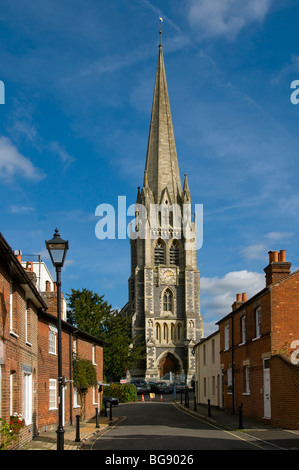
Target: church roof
point(162, 169)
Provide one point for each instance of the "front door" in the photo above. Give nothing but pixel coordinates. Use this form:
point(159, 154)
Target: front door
point(267, 395)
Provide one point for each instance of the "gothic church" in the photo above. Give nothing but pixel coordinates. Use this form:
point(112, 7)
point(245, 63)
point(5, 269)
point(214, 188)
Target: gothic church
point(164, 286)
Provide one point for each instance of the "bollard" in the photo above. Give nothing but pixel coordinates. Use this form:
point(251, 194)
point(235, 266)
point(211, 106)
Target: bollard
point(209, 408)
point(97, 418)
point(105, 408)
point(240, 416)
point(77, 428)
point(188, 399)
point(110, 419)
point(181, 396)
point(195, 409)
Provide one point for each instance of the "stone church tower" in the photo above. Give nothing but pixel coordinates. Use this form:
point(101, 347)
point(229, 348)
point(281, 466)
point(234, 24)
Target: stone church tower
point(164, 283)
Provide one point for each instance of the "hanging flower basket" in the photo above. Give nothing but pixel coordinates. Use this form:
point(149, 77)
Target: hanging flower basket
point(16, 423)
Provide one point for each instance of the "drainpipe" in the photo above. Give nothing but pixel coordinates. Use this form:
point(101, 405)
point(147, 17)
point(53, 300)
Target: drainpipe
point(233, 366)
point(71, 373)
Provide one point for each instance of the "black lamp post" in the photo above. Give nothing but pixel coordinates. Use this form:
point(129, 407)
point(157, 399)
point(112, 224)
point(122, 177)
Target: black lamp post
point(57, 249)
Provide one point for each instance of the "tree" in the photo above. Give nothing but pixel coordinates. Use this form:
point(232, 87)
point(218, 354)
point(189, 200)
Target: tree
point(90, 313)
point(120, 353)
point(87, 311)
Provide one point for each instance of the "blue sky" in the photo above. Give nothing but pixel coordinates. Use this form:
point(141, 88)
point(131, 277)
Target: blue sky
point(79, 79)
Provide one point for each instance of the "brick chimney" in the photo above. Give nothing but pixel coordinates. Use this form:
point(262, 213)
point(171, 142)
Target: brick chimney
point(278, 267)
point(30, 273)
point(239, 301)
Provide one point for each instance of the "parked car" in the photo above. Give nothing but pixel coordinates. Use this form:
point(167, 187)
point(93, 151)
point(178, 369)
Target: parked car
point(163, 387)
point(154, 387)
point(141, 385)
point(110, 401)
point(181, 387)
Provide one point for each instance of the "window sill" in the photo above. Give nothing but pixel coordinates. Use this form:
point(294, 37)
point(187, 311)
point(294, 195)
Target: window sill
point(14, 334)
point(257, 337)
point(28, 344)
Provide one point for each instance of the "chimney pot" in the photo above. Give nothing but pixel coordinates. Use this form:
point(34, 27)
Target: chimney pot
point(29, 266)
point(275, 257)
point(48, 286)
point(282, 256)
point(244, 297)
point(18, 255)
point(238, 297)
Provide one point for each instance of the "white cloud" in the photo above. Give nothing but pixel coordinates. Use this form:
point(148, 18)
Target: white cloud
point(218, 294)
point(19, 209)
point(225, 17)
point(279, 235)
point(64, 156)
point(255, 251)
point(13, 163)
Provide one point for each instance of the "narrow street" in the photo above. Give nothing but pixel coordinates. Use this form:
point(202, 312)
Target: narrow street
point(155, 426)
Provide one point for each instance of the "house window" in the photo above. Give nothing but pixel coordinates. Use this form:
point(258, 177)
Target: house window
point(27, 397)
point(74, 347)
point(52, 394)
point(213, 351)
point(213, 385)
point(204, 387)
point(258, 318)
point(13, 392)
point(204, 355)
point(167, 301)
point(243, 329)
point(226, 337)
point(94, 395)
point(246, 387)
point(159, 253)
point(229, 381)
point(94, 354)
point(12, 317)
point(75, 398)
point(52, 339)
point(28, 328)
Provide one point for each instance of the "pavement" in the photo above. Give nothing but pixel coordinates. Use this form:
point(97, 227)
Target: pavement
point(48, 440)
point(277, 438)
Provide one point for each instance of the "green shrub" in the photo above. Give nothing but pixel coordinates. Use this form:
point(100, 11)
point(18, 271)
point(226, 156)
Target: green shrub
point(124, 392)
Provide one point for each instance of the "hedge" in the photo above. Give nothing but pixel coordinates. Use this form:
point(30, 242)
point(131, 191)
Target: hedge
point(124, 392)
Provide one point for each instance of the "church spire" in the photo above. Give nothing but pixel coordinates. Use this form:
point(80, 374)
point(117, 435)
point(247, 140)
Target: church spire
point(162, 167)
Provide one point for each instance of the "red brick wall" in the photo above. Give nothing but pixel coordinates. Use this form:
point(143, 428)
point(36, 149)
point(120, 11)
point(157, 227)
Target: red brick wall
point(18, 352)
point(284, 393)
point(48, 369)
point(249, 354)
point(285, 317)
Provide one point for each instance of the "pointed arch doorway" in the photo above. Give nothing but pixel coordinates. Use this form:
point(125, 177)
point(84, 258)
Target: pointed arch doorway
point(169, 363)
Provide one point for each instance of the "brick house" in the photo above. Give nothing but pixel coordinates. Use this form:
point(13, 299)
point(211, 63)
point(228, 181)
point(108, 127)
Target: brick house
point(258, 342)
point(20, 303)
point(75, 343)
point(28, 350)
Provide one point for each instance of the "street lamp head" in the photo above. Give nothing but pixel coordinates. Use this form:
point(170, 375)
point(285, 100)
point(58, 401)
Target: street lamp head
point(57, 249)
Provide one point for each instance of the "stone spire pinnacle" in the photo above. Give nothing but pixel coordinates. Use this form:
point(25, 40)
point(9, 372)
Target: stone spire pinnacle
point(162, 167)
